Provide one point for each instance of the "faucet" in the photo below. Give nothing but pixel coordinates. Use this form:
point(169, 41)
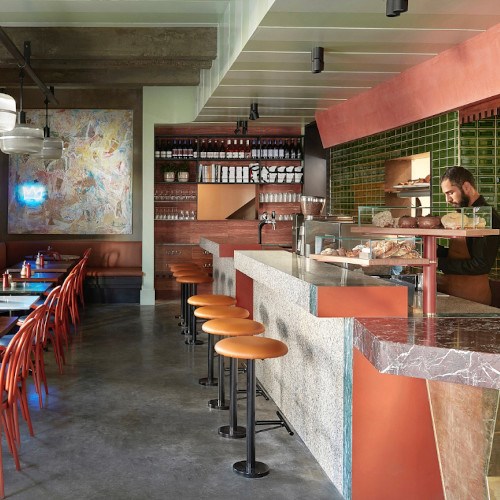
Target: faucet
point(264, 220)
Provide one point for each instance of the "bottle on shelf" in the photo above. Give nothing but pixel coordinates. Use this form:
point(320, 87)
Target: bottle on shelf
point(248, 150)
point(203, 150)
point(222, 150)
point(157, 149)
point(293, 150)
point(281, 150)
point(195, 149)
point(264, 150)
point(167, 150)
point(286, 150)
point(275, 154)
point(229, 150)
point(299, 155)
point(254, 151)
point(241, 150)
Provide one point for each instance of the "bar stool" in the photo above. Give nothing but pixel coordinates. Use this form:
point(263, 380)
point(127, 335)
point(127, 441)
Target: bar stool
point(230, 327)
point(215, 312)
point(251, 348)
point(188, 270)
point(192, 281)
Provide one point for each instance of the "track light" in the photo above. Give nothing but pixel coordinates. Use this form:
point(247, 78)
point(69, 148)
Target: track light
point(317, 61)
point(254, 111)
point(395, 7)
point(241, 126)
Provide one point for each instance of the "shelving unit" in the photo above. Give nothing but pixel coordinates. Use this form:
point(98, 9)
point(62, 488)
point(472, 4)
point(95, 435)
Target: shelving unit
point(180, 219)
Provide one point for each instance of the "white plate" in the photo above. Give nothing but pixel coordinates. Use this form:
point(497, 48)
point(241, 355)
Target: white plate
point(412, 186)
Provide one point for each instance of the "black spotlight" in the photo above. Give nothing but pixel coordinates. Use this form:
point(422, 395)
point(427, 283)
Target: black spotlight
point(254, 111)
point(395, 7)
point(317, 61)
point(243, 125)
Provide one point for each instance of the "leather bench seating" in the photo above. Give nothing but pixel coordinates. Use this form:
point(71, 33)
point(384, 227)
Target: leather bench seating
point(114, 271)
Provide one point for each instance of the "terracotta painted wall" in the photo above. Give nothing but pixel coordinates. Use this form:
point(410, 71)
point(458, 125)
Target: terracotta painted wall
point(459, 76)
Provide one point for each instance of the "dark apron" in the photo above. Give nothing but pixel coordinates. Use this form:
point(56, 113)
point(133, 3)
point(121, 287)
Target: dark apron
point(475, 288)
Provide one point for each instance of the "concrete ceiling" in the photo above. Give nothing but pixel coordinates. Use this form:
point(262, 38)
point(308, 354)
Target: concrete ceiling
point(135, 43)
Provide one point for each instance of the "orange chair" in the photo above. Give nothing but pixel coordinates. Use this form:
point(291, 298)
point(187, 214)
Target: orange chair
point(13, 372)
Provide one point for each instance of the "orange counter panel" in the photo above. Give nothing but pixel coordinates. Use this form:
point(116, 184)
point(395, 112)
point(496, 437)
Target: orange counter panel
point(362, 302)
point(394, 454)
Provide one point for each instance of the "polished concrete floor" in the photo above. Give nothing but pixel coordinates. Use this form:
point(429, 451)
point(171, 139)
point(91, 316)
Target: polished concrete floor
point(128, 420)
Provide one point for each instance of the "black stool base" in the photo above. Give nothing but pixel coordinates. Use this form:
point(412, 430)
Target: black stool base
point(238, 432)
point(208, 383)
point(214, 404)
point(259, 470)
point(196, 342)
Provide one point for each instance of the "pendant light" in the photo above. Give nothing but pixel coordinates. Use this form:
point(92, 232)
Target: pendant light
point(7, 112)
point(23, 139)
point(52, 146)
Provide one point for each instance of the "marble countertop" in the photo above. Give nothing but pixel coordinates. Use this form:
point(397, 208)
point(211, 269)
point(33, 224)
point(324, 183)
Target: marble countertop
point(463, 350)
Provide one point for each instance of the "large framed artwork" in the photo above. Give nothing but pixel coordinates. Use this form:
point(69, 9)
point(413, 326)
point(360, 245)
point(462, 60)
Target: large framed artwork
point(87, 191)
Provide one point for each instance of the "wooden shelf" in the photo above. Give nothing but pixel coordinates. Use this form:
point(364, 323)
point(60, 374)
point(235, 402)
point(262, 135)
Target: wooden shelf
point(369, 262)
point(440, 233)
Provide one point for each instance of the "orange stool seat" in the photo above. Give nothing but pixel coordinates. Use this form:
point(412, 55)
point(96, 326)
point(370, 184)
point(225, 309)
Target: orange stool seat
point(194, 279)
point(233, 327)
point(211, 300)
point(187, 272)
point(221, 312)
point(251, 348)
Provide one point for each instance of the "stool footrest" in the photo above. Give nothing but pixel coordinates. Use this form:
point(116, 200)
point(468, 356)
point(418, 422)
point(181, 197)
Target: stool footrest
point(281, 423)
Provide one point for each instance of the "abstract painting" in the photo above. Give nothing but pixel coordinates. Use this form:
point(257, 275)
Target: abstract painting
point(88, 190)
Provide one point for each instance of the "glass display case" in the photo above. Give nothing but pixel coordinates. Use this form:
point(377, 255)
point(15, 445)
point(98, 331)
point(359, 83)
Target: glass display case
point(410, 218)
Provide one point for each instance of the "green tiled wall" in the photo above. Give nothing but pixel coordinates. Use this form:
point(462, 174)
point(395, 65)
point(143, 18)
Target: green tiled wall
point(357, 167)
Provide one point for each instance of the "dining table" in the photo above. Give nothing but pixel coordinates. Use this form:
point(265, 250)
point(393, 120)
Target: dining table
point(9, 303)
point(52, 258)
point(37, 276)
point(56, 266)
point(26, 288)
point(7, 323)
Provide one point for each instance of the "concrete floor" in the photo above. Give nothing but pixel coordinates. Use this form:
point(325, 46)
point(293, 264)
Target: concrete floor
point(128, 420)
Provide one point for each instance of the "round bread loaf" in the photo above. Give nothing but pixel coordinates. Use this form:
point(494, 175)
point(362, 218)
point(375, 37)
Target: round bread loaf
point(407, 221)
point(429, 222)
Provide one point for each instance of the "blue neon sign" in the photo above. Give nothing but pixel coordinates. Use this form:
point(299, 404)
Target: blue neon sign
point(31, 194)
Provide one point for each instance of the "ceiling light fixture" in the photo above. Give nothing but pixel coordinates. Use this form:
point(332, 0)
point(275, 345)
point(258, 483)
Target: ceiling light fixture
point(23, 139)
point(317, 61)
point(254, 111)
point(52, 147)
point(7, 112)
point(395, 7)
point(241, 126)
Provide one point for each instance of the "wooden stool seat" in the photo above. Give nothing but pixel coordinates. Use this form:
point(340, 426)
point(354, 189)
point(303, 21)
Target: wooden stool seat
point(194, 279)
point(233, 327)
point(220, 312)
point(181, 267)
point(251, 348)
point(211, 300)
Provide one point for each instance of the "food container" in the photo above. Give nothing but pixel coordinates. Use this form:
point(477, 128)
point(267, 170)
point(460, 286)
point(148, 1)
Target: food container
point(311, 206)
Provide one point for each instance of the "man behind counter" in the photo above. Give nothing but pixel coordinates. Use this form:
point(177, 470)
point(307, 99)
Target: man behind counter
point(468, 261)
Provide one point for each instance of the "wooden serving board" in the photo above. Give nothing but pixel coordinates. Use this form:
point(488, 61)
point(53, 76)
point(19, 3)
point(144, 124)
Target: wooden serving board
point(369, 262)
point(441, 233)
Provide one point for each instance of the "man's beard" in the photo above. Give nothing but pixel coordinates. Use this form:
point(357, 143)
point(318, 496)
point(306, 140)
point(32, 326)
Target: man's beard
point(464, 200)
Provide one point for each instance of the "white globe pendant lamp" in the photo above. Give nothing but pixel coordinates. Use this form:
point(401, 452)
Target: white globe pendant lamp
point(7, 112)
point(23, 139)
point(52, 147)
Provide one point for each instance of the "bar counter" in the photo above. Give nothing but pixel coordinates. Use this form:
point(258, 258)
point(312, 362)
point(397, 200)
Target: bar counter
point(390, 406)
